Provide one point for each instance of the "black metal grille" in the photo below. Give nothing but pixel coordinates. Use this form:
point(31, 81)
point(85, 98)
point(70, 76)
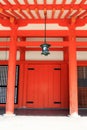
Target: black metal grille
point(3, 84)
point(82, 76)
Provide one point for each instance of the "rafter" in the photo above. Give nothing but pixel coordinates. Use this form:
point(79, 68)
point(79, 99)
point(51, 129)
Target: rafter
point(16, 1)
point(76, 13)
point(54, 1)
point(82, 1)
point(37, 12)
point(2, 16)
point(73, 1)
point(16, 14)
point(44, 2)
point(35, 1)
point(81, 15)
point(7, 2)
point(64, 1)
point(26, 2)
point(61, 12)
point(22, 13)
point(69, 12)
point(8, 14)
point(53, 13)
point(29, 12)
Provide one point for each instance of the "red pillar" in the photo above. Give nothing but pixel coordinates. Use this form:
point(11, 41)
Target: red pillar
point(73, 93)
point(21, 77)
point(11, 74)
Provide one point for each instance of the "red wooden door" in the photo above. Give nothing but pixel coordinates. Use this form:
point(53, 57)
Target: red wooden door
point(43, 86)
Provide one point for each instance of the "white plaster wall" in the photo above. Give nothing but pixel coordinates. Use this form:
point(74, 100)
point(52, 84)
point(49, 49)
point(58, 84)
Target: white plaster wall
point(4, 55)
point(36, 55)
point(82, 55)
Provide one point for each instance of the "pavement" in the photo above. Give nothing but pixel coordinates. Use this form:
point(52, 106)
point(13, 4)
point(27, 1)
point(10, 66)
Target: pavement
point(15, 122)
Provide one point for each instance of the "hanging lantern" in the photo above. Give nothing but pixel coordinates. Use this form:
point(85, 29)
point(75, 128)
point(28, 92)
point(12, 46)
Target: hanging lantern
point(45, 49)
point(45, 46)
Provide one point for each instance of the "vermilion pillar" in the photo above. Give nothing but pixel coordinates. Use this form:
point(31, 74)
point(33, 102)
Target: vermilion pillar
point(73, 93)
point(11, 74)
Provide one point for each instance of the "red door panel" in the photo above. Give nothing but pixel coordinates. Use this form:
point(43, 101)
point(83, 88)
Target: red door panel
point(43, 86)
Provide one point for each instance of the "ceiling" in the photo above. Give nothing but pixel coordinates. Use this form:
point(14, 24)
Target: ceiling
point(34, 9)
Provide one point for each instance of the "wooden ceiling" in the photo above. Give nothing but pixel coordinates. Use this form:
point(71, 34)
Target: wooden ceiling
point(34, 9)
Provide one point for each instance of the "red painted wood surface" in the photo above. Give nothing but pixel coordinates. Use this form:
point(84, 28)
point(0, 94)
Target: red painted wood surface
point(43, 86)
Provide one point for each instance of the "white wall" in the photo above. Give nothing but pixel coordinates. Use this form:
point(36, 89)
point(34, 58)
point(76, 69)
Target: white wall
point(36, 55)
point(4, 55)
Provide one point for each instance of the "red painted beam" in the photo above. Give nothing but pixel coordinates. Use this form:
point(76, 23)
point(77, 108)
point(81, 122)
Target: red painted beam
point(5, 44)
point(81, 44)
point(61, 22)
point(39, 49)
point(40, 33)
point(46, 6)
point(37, 44)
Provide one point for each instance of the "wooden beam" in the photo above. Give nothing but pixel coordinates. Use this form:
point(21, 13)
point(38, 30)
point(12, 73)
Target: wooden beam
point(46, 6)
point(81, 44)
point(37, 44)
point(40, 33)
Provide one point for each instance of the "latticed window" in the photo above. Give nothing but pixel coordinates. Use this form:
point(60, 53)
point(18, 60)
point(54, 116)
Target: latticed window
point(3, 83)
point(82, 84)
point(82, 76)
